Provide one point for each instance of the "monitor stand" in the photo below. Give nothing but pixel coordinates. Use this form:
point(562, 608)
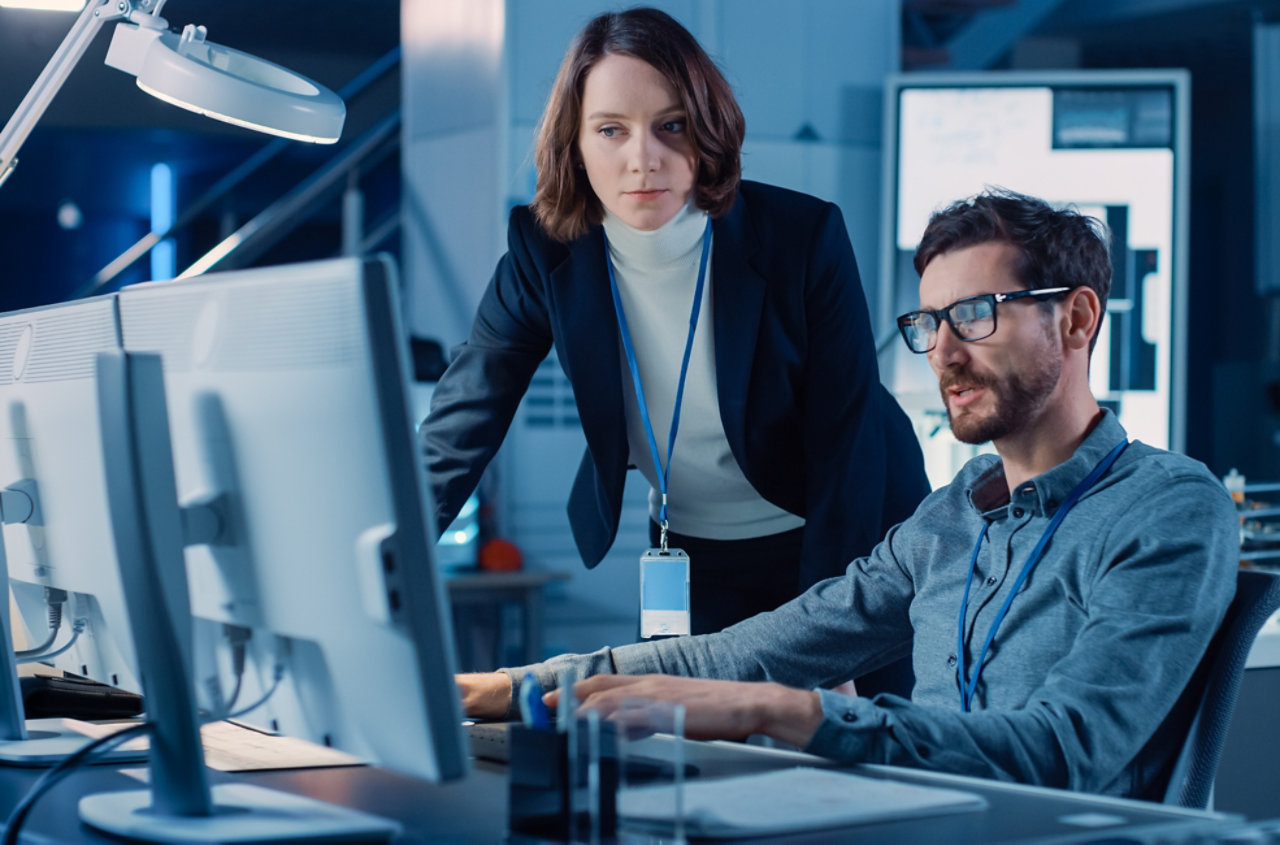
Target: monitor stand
point(147, 523)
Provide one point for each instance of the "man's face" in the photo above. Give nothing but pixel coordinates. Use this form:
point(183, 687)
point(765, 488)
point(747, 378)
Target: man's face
point(1000, 385)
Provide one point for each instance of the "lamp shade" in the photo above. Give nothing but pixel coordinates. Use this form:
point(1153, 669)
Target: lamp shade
point(226, 84)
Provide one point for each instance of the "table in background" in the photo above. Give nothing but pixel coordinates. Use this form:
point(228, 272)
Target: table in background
point(481, 602)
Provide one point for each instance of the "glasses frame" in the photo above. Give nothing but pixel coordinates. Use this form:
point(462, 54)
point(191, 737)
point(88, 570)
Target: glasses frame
point(944, 314)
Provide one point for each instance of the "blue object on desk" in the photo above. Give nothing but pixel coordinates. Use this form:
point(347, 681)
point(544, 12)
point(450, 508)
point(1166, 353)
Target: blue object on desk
point(533, 711)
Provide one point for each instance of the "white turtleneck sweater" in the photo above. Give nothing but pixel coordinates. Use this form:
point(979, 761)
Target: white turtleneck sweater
point(707, 494)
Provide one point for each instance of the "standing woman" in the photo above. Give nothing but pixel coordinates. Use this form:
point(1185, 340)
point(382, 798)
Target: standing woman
point(714, 332)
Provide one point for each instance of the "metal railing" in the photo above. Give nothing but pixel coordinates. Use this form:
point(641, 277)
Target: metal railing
point(243, 246)
point(348, 161)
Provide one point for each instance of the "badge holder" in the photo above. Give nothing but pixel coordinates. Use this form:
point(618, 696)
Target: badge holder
point(664, 589)
point(664, 593)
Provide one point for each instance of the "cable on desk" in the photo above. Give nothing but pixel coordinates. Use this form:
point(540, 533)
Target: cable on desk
point(77, 628)
point(65, 767)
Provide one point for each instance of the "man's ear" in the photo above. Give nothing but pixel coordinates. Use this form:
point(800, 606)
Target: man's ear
point(1081, 315)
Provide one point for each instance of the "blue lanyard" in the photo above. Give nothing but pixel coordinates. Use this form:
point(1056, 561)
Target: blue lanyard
point(967, 687)
point(684, 369)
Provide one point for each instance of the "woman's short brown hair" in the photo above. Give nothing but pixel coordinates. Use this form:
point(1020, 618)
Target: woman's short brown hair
point(563, 201)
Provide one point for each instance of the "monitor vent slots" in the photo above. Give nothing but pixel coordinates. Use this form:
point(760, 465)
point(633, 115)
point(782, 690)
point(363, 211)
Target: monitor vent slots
point(63, 346)
point(244, 328)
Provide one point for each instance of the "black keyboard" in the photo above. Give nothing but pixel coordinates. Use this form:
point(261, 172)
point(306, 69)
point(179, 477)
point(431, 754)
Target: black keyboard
point(73, 697)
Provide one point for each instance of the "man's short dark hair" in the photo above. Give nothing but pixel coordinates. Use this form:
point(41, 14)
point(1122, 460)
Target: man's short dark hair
point(1057, 247)
point(563, 201)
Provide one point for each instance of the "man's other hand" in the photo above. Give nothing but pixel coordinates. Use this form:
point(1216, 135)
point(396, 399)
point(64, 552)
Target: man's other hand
point(713, 709)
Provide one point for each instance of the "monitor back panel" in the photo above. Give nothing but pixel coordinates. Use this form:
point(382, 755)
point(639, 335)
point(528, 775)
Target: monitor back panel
point(50, 448)
point(279, 406)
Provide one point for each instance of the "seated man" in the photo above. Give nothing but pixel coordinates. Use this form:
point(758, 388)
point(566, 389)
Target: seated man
point(1055, 599)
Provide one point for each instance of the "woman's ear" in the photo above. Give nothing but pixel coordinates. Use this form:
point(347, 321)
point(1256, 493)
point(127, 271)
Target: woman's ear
point(1083, 314)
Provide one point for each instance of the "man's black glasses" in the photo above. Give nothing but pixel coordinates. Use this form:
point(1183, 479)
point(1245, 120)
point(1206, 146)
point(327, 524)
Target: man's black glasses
point(971, 318)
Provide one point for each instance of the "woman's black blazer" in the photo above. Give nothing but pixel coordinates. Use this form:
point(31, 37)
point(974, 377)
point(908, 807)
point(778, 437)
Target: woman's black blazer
point(800, 395)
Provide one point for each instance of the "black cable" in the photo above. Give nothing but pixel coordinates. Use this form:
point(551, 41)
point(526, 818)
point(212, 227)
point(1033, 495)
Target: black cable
point(65, 766)
point(77, 628)
point(24, 653)
point(237, 637)
point(54, 598)
point(235, 693)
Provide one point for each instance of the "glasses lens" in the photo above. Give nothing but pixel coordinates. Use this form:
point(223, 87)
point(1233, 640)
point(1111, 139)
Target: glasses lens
point(973, 319)
point(918, 329)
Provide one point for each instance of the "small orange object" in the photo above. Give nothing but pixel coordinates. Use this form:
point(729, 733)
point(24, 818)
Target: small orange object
point(498, 555)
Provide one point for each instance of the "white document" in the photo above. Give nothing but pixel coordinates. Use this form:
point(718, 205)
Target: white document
point(787, 800)
point(230, 747)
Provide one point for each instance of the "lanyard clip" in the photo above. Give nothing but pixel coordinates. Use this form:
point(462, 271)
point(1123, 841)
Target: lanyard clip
point(662, 537)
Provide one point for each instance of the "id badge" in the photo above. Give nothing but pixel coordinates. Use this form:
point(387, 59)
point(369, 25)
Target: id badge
point(664, 593)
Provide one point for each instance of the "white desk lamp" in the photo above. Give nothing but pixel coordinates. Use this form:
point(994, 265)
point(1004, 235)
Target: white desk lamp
point(184, 70)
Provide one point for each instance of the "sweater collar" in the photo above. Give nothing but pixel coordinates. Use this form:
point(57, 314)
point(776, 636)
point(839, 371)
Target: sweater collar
point(676, 240)
point(1046, 491)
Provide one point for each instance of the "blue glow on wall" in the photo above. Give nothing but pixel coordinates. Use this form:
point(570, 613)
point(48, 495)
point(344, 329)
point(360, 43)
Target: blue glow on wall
point(163, 200)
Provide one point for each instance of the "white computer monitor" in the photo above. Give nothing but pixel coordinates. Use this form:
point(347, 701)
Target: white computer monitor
point(57, 533)
point(285, 396)
point(1114, 144)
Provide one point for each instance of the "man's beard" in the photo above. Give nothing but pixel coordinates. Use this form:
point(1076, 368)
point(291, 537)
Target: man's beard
point(1018, 399)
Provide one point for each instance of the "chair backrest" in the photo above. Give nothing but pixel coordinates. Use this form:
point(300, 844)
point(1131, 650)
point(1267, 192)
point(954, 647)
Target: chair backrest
point(1210, 696)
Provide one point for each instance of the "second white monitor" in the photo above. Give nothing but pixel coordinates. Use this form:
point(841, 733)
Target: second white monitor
point(286, 399)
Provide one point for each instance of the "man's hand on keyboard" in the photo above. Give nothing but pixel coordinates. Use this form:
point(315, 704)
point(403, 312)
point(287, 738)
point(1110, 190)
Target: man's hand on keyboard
point(713, 709)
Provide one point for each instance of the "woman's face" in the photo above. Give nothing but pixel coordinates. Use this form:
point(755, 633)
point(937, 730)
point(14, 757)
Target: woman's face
point(634, 144)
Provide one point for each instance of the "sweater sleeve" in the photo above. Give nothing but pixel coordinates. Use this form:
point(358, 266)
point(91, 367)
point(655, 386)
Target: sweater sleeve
point(837, 629)
point(1159, 597)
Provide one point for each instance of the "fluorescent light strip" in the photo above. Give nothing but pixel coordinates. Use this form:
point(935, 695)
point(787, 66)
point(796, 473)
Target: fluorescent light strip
point(271, 130)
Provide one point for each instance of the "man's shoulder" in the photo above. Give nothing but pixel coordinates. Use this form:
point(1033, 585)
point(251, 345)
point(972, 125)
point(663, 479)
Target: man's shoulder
point(1146, 473)
point(1161, 463)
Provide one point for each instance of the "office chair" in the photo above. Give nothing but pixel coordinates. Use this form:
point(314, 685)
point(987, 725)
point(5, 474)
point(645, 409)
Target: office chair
point(1210, 697)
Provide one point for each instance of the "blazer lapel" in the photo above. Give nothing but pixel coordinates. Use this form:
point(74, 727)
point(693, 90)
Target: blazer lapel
point(738, 299)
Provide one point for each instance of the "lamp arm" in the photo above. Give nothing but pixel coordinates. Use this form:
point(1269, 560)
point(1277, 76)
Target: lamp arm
point(33, 105)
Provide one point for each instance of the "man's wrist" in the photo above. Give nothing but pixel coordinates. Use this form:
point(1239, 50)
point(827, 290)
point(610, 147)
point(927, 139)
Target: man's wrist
point(790, 715)
point(486, 695)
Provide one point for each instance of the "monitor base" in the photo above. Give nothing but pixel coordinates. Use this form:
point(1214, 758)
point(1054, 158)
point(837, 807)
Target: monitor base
point(49, 741)
point(242, 813)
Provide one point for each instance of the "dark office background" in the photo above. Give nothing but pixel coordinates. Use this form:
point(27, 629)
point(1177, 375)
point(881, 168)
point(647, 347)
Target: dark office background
point(99, 139)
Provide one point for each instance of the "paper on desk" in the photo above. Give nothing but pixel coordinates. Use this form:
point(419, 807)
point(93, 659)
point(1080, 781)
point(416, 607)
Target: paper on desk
point(233, 748)
point(787, 800)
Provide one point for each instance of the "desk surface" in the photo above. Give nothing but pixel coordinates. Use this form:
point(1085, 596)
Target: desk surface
point(475, 809)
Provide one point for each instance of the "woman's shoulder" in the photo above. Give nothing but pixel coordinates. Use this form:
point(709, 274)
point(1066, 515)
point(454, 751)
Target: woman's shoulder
point(526, 236)
point(780, 218)
point(772, 197)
